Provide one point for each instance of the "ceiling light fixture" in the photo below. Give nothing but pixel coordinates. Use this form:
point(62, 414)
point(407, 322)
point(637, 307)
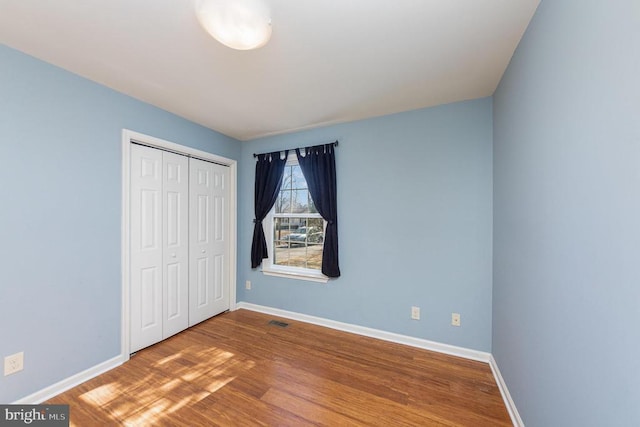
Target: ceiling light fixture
point(238, 24)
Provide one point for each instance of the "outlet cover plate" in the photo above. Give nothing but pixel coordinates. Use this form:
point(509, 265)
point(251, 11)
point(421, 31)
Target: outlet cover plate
point(455, 319)
point(13, 363)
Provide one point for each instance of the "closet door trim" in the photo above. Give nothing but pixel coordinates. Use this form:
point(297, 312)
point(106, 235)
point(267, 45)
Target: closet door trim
point(130, 137)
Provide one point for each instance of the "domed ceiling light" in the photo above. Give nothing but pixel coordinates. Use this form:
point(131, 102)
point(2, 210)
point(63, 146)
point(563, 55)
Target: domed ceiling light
point(238, 24)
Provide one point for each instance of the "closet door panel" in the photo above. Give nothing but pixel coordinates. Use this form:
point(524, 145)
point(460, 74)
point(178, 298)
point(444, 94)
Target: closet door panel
point(146, 247)
point(209, 240)
point(176, 243)
point(200, 241)
point(220, 244)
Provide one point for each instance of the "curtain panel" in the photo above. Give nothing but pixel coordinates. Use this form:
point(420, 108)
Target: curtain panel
point(269, 171)
point(319, 169)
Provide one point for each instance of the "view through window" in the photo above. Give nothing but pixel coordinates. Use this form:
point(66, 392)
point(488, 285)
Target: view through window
point(298, 228)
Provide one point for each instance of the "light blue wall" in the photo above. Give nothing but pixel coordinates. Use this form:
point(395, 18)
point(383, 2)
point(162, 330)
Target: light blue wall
point(60, 147)
point(566, 297)
point(415, 218)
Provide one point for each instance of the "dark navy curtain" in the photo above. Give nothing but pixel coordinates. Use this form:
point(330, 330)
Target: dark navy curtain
point(269, 171)
point(319, 169)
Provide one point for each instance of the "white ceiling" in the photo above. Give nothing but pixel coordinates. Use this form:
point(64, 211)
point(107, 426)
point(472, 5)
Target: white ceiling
point(328, 61)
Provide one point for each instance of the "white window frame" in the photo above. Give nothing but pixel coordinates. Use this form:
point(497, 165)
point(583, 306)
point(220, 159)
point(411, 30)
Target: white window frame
point(271, 269)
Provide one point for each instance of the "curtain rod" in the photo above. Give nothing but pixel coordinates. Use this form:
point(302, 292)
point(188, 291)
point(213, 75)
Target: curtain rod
point(334, 143)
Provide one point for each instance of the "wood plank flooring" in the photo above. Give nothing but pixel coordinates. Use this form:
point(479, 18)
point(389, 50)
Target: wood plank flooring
point(237, 370)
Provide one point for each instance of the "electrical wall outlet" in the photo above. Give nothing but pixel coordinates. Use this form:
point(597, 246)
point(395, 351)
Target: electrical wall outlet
point(415, 313)
point(13, 363)
point(455, 319)
point(247, 284)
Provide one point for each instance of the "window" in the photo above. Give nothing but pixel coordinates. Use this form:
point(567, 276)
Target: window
point(294, 229)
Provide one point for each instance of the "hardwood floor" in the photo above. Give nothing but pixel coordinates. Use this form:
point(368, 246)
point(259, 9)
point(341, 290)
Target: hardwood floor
point(237, 370)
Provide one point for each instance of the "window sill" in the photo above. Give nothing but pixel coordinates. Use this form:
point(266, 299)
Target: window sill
point(311, 277)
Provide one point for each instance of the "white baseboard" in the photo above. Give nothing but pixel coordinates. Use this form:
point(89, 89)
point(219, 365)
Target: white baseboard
point(70, 382)
point(506, 396)
point(452, 350)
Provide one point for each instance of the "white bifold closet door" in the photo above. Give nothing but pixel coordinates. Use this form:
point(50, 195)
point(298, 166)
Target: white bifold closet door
point(171, 226)
point(208, 240)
